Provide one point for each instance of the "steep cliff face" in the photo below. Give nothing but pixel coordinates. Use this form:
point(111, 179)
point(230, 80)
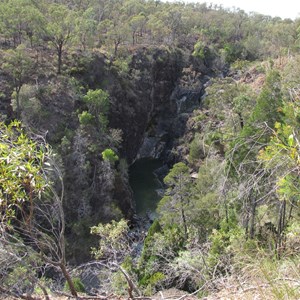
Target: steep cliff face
point(138, 105)
point(152, 104)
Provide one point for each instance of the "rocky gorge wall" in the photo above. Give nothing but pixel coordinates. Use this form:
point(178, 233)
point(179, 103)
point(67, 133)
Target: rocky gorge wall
point(162, 90)
point(150, 102)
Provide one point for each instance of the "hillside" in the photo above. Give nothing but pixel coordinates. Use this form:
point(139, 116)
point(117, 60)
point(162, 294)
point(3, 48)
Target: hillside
point(98, 98)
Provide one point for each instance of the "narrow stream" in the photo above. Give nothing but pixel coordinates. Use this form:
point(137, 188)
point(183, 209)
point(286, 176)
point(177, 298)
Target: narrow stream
point(145, 185)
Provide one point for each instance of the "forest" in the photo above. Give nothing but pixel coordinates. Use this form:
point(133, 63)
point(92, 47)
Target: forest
point(204, 99)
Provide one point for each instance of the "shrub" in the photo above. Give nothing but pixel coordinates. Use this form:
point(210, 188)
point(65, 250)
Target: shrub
point(199, 50)
point(109, 155)
point(197, 150)
point(85, 118)
point(97, 101)
point(79, 286)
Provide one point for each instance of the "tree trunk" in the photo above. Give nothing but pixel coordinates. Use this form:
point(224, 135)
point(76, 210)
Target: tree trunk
point(116, 48)
point(241, 120)
point(291, 210)
point(131, 286)
point(68, 279)
point(253, 212)
point(184, 220)
point(225, 206)
point(44, 290)
point(59, 57)
point(247, 225)
point(17, 89)
point(281, 227)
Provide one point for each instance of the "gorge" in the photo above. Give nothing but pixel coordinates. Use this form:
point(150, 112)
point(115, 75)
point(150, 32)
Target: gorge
point(148, 145)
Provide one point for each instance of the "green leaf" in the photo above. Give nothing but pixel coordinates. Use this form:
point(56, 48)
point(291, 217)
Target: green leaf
point(291, 140)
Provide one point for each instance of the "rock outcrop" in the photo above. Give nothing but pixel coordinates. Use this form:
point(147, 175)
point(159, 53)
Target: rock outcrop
point(152, 105)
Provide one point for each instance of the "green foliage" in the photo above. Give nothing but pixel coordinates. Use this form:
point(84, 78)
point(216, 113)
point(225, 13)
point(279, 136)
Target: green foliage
point(160, 245)
point(194, 205)
point(255, 133)
point(65, 145)
point(59, 27)
point(240, 65)
point(113, 25)
point(113, 239)
point(20, 20)
point(136, 24)
point(146, 253)
point(221, 240)
point(122, 65)
point(174, 204)
point(151, 282)
point(252, 129)
point(17, 64)
point(30, 105)
point(110, 156)
point(45, 283)
point(269, 102)
point(86, 118)
point(21, 170)
point(283, 146)
point(23, 275)
point(201, 51)
point(196, 149)
point(118, 281)
point(205, 211)
point(178, 170)
point(230, 105)
point(79, 286)
point(154, 228)
point(97, 101)
point(31, 211)
point(85, 28)
point(103, 122)
point(232, 52)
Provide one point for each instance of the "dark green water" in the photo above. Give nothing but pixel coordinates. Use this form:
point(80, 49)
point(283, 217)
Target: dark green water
point(145, 184)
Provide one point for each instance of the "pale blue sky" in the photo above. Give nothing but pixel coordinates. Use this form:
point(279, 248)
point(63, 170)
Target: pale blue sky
point(280, 8)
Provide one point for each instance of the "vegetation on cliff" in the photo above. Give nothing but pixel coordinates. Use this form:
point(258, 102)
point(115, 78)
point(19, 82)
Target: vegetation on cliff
point(213, 93)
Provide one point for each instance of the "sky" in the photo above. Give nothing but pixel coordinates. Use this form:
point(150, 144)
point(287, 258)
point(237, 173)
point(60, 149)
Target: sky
point(274, 8)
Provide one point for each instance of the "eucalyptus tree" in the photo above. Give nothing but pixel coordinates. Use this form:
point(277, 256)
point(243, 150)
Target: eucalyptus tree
point(18, 64)
point(115, 246)
point(242, 154)
point(281, 158)
point(20, 20)
point(173, 206)
point(31, 211)
point(137, 24)
point(85, 28)
point(59, 28)
point(115, 34)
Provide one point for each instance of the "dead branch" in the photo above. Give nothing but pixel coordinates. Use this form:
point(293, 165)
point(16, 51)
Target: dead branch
point(194, 293)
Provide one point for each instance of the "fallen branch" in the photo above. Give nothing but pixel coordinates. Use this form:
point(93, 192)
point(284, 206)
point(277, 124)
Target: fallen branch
point(256, 287)
point(194, 293)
